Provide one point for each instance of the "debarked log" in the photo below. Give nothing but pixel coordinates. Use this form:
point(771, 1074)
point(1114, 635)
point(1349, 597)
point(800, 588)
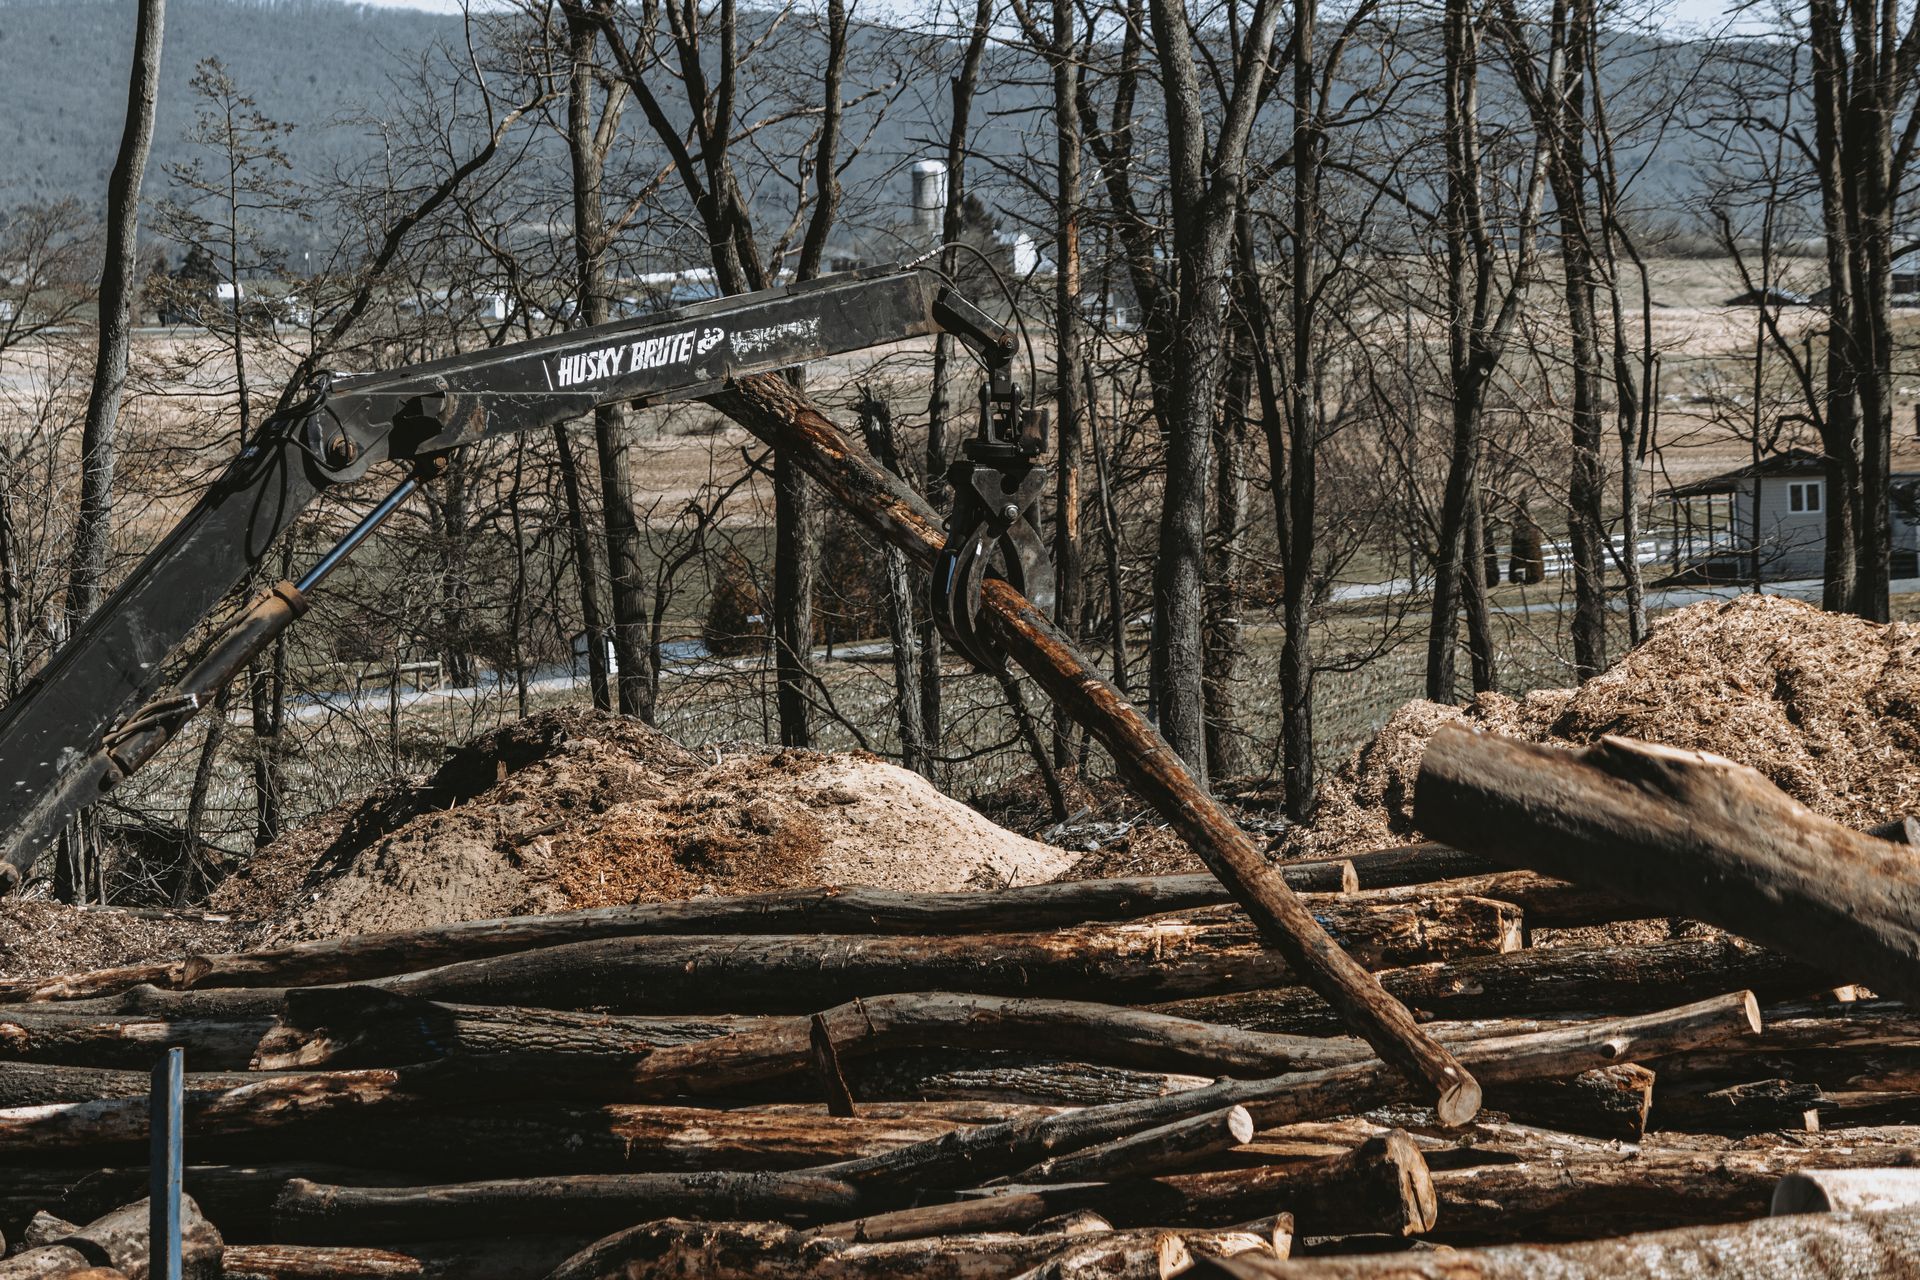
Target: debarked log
point(526, 1257)
point(1197, 953)
point(778, 413)
point(828, 910)
point(1688, 834)
point(1876, 1246)
point(315, 1213)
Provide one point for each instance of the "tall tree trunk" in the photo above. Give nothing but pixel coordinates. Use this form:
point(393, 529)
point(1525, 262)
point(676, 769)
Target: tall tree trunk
point(586, 572)
point(961, 89)
point(876, 423)
point(1066, 364)
point(796, 555)
point(93, 525)
point(1225, 644)
point(1303, 426)
point(588, 140)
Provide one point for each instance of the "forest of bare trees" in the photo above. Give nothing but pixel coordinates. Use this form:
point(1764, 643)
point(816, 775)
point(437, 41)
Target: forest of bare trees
point(1372, 334)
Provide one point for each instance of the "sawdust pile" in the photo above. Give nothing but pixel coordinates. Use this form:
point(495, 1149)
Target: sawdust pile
point(1826, 706)
point(574, 808)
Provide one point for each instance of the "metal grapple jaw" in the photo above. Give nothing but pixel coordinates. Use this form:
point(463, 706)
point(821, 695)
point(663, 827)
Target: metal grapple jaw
point(993, 529)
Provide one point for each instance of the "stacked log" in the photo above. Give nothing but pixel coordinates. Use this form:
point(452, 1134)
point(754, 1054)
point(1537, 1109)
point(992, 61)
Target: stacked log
point(1116, 1080)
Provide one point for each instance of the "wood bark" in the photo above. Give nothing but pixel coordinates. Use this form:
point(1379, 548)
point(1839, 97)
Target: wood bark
point(520, 1258)
point(769, 409)
point(830, 910)
point(129, 1042)
point(1686, 834)
point(1196, 953)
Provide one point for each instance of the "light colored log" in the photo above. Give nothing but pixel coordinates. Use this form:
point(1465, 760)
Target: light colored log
point(1846, 1191)
point(1871, 1246)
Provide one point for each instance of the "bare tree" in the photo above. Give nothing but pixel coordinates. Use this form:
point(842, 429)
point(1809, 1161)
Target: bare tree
point(118, 288)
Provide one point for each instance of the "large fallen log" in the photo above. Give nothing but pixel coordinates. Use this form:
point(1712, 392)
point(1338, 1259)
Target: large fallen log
point(1687, 834)
point(1200, 952)
point(828, 910)
point(1544, 902)
point(121, 1239)
point(1534, 981)
point(1610, 1102)
point(1876, 1246)
point(780, 414)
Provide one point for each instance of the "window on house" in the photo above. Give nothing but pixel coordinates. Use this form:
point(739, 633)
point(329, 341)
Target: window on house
point(1803, 497)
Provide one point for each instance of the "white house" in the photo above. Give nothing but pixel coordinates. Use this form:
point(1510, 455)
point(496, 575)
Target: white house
point(1715, 533)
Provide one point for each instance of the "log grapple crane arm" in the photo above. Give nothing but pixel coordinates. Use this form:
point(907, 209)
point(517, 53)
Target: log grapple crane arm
point(95, 713)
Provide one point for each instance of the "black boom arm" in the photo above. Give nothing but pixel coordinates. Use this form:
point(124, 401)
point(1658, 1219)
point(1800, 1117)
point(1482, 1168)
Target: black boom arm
point(95, 713)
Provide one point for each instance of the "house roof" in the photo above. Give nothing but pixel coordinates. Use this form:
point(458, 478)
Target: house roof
point(1791, 462)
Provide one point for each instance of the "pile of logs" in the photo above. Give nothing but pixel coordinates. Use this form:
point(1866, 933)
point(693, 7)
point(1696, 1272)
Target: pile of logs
point(1113, 1078)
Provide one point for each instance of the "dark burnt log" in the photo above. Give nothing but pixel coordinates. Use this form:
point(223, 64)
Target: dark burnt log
point(316, 1213)
point(1609, 1103)
point(969, 1157)
point(238, 1198)
point(1688, 834)
point(1534, 981)
point(828, 910)
point(1007, 1078)
point(1873, 1246)
point(1749, 1106)
point(1202, 952)
point(778, 413)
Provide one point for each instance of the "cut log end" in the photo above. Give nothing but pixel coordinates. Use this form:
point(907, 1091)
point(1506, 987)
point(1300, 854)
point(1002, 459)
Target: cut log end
point(1240, 1124)
point(1459, 1100)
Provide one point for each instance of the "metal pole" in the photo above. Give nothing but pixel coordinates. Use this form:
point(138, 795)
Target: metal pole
point(165, 1106)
